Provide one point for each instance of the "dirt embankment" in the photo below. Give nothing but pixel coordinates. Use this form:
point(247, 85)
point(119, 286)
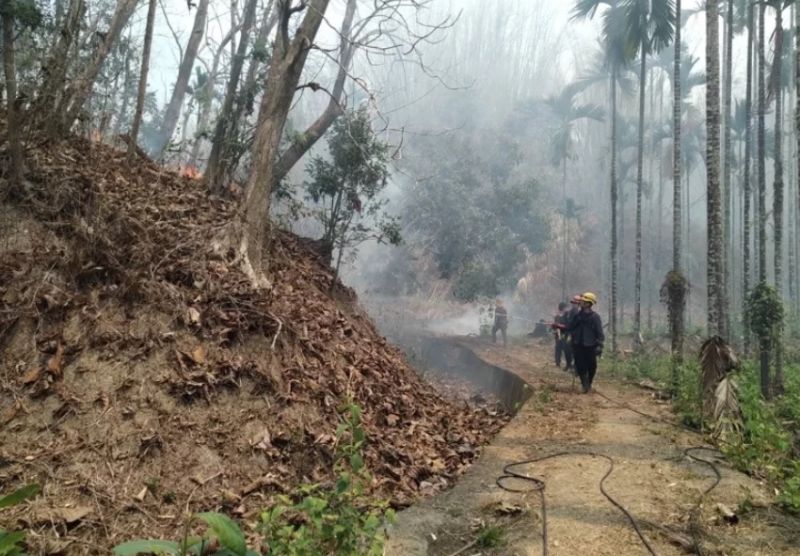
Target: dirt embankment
point(141, 375)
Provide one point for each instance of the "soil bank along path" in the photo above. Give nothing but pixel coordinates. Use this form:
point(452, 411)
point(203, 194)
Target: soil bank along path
point(652, 477)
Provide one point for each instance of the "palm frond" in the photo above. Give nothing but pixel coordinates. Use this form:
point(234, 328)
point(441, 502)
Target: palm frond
point(662, 21)
point(740, 15)
point(717, 359)
point(616, 48)
point(649, 24)
point(738, 122)
point(600, 71)
point(587, 8)
point(589, 112)
point(662, 132)
point(728, 420)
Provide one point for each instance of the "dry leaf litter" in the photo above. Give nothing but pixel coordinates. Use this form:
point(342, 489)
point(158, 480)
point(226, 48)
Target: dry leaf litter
point(143, 376)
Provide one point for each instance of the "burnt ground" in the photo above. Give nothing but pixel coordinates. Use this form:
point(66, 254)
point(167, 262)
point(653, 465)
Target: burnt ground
point(652, 477)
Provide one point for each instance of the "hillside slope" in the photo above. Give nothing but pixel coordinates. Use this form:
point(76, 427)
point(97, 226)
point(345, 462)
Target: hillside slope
point(141, 375)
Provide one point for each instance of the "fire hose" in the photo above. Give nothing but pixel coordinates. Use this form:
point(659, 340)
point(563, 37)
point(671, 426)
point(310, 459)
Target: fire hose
point(538, 485)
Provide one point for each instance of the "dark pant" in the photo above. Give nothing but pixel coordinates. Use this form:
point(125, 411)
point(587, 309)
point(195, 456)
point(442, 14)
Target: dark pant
point(502, 329)
point(563, 347)
point(585, 365)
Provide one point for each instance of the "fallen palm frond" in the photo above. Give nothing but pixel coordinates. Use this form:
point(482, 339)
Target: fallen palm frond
point(727, 412)
point(719, 390)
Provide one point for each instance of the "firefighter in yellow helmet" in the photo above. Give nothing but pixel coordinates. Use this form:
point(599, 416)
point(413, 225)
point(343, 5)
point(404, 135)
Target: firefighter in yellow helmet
point(586, 331)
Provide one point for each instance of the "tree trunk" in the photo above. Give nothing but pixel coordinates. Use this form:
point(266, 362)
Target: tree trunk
point(187, 115)
point(206, 99)
point(748, 189)
point(137, 116)
point(777, 193)
point(303, 143)
point(55, 69)
point(763, 356)
point(715, 251)
point(676, 318)
point(173, 110)
point(789, 143)
point(687, 255)
point(614, 261)
point(564, 230)
point(727, 196)
point(621, 289)
point(637, 304)
point(777, 199)
point(762, 174)
point(227, 124)
point(124, 97)
point(286, 67)
point(12, 116)
point(677, 99)
point(764, 342)
point(80, 89)
point(796, 169)
point(58, 13)
point(659, 206)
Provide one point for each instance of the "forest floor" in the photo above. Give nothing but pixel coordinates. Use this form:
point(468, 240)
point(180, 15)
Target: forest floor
point(143, 377)
point(652, 478)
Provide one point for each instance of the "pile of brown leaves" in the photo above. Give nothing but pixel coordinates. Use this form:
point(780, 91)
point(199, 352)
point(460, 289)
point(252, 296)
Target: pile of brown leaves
point(142, 375)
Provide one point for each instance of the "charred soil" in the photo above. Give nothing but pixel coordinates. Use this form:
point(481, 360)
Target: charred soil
point(142, 375)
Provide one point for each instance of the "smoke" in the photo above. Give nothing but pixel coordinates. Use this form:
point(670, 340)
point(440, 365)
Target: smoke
point(401, 317)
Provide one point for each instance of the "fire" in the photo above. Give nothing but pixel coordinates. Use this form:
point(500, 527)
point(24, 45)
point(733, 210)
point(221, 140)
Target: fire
point(190, 171)
point(96, 136)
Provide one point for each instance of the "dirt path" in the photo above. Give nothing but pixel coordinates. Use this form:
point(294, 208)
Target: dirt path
point(652, 478)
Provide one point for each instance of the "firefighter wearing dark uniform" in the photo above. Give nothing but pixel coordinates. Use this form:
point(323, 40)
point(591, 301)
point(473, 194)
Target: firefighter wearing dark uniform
point(561, 337)
point(500, 321)
point(586, 331)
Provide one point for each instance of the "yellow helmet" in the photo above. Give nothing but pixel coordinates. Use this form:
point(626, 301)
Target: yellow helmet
point(589, 297)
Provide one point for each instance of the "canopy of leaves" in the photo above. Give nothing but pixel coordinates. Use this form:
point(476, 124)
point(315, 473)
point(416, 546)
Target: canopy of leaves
point(650, 25)
point(479, 213)
point(568, 111)
point(765, 311)
point(347, 185)
point(26, 13)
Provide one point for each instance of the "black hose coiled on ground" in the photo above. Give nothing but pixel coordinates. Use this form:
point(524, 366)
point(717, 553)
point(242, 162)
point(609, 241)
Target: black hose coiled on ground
point(538, 485)
point(694, 514)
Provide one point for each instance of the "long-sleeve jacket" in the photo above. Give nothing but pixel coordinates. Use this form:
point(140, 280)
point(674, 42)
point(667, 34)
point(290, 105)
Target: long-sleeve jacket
point(500, 317)
point(586, 329)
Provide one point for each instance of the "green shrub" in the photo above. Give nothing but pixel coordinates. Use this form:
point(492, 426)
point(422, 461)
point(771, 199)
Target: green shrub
point(333, 521)
point(790, 491)
point(11, 542)
point(766, 448)
point(765, 442)
point(688, 403)
point(490, 536)
point(336, 519)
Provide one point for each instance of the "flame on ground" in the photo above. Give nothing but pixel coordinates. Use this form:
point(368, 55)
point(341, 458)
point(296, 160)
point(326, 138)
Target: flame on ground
point(190, 171)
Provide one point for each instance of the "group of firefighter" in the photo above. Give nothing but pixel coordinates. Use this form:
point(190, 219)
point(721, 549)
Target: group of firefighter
point(578, 332)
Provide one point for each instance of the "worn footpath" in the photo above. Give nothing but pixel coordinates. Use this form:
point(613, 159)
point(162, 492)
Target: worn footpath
point(652, 477)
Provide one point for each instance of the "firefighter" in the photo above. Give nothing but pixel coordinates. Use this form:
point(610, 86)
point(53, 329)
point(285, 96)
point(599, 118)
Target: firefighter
point(563, 339)
point(561, 344)
point(500, 321)
point(586, 330)
point(575, 307)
